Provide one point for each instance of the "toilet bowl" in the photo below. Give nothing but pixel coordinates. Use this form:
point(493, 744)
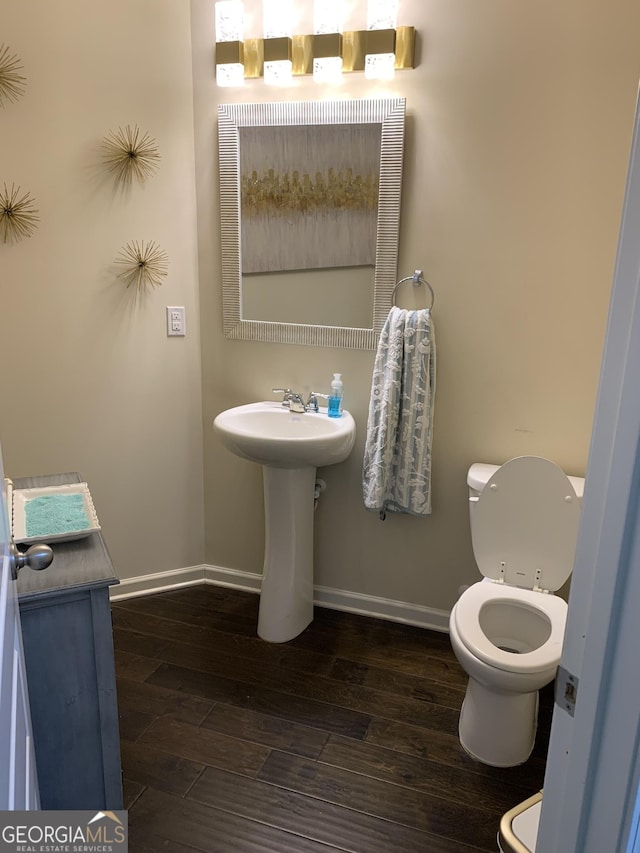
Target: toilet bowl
point(507, 630)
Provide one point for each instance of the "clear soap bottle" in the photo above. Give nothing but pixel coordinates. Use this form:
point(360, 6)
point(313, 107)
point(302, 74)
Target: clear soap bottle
point(335, 396)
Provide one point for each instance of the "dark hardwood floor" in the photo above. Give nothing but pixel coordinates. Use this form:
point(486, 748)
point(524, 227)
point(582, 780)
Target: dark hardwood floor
point(342, 739)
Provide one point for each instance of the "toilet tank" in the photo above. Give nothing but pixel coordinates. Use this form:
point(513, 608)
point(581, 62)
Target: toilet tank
point(480, 473)
point(478, 476)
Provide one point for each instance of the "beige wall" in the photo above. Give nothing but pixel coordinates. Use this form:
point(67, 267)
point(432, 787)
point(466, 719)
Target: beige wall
point(90, 381)
point(518, 129)
point(518, 125)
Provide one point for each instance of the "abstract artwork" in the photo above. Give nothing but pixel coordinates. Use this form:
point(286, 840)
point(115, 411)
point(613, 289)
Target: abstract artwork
point(309, 196)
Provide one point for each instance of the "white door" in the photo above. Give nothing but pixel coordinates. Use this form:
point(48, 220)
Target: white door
point(593, 769)
point(18, 779)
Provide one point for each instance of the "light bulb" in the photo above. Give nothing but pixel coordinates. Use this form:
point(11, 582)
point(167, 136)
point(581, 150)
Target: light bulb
point(382, 14)
point(380, 66)
point(327, 70)
point(230, 74)
point(327, 16)
point(276, 18)
point(278, 72)
point(229, 20)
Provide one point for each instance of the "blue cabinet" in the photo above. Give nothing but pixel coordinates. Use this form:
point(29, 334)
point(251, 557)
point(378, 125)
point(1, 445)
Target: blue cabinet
point(68, 649)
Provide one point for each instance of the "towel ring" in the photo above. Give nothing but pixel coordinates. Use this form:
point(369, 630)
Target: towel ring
point(417, 278)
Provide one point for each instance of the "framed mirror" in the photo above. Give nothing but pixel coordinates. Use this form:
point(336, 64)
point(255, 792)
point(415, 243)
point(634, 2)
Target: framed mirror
point(310, 214)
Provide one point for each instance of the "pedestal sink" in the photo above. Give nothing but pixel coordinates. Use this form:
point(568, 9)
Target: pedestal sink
point(289, 446)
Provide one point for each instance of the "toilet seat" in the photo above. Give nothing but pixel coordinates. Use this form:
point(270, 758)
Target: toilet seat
point(525, 524)
point(467, 619)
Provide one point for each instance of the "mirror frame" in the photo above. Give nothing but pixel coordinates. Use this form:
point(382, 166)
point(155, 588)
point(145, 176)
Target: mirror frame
point(390, 114)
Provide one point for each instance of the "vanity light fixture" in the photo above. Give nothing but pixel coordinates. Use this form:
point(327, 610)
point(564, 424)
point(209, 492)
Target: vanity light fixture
point(280, 55)
point(380, 41)
point(277, 45)
point(230, 43)
point(327, 41)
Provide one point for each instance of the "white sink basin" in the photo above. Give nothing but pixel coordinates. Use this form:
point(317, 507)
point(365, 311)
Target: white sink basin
point(269, 434)
point(290, 447)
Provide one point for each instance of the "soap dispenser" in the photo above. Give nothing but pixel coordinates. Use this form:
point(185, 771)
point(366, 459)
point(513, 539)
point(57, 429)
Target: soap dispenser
point(335, 397)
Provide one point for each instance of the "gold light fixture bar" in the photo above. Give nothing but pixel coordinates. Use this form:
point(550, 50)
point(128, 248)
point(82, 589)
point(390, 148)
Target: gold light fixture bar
point(380, 41)
point(228, 52)
point(253, 58)
point(354, 50)
point(353, 46)
point(302, 55)
point(405, 47)
point(327, 45)
point(277, 49)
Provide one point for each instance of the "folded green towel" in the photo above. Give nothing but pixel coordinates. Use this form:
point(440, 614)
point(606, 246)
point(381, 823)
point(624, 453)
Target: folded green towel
point(55, 514)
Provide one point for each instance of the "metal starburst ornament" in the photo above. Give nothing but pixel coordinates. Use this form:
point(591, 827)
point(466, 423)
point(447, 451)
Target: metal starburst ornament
point(143, 264)
point(12, 84)
point(18, 216)
point(128, 155)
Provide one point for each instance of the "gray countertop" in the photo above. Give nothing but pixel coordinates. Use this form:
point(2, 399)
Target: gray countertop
point(80, 563)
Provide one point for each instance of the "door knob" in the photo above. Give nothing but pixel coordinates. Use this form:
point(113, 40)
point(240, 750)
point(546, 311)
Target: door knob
point(37, 557)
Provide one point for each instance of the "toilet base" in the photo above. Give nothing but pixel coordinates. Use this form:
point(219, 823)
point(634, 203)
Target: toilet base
point(497, 728)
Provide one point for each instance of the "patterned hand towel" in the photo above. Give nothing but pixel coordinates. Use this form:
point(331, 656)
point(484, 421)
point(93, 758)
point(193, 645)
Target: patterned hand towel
point(397, 456)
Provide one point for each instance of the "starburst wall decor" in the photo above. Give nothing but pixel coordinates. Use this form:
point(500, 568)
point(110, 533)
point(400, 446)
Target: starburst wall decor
point(128, 155)
point(18, 216)
point(12, 84)
point(143, 264)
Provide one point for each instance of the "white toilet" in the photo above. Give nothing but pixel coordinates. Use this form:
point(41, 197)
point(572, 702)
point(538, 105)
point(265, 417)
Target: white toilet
point(507, 630)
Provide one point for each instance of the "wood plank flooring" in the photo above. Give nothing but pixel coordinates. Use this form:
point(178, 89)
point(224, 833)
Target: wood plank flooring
point(342, 739)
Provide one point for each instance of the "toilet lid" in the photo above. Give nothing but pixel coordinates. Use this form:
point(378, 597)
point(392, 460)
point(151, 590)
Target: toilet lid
point(525, 524)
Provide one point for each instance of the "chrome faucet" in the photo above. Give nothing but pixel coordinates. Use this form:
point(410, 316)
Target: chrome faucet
point(291, 400)
point(287, 394)
point(295, 402)
point(312, 400)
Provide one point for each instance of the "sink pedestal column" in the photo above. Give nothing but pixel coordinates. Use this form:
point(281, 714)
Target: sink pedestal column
point(286, 596)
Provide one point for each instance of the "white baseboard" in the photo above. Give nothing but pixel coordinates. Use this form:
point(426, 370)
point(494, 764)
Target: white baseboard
point(333, 599)
point(158, 582)
point(233, 578)
point(382, 608)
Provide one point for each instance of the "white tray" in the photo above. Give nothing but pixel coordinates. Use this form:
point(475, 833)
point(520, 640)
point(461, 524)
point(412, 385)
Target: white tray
point(19, 520)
